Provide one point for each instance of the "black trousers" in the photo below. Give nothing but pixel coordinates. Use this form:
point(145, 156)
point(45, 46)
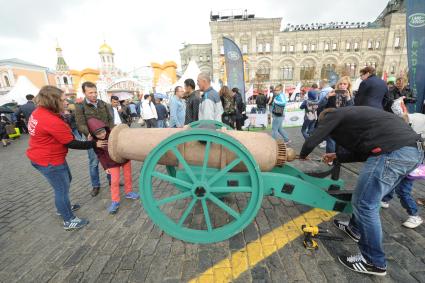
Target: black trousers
point(151, 123)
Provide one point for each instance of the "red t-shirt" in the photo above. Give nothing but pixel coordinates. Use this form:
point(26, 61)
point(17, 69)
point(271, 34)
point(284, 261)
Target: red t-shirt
point(48, 136)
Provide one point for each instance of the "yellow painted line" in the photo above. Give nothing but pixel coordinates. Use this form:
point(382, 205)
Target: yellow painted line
point(240, 261)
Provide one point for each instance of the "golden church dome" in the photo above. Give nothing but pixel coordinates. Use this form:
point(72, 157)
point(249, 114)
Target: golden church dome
point(105, 48)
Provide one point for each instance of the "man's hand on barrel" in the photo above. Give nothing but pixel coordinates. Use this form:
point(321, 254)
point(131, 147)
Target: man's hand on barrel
point(328, 157)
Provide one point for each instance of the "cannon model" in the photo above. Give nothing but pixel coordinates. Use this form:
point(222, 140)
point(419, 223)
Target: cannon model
point(206, 185)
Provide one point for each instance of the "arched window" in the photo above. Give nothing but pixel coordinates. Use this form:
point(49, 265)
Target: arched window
point(350, 69)
point(287, 72)
point(65, 80)
point(6, 81)
point(307, 72)
point(327, 69)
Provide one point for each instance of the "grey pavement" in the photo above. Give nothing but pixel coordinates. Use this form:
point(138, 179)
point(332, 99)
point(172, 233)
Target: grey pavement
point(127, 247)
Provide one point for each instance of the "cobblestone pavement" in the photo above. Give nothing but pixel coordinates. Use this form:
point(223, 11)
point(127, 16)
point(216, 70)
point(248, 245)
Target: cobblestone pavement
point(127, 247)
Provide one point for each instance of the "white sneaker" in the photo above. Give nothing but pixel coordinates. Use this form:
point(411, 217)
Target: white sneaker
point(413, 222)
point(385, 204)
point(322, 144)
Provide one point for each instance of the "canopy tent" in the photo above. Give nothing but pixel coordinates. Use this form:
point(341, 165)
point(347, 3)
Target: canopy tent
point(22, 87)
point(192, 72)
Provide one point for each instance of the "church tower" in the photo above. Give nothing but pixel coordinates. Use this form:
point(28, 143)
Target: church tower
point(63, 78)
point(107, 65)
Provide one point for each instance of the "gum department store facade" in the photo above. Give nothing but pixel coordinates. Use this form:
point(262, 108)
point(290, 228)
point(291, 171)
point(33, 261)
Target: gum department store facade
point(304, 53)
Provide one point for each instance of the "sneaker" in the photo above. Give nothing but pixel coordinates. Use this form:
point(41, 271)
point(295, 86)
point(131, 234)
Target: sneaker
point(343, 226)
point(322, 144)
point(385, 204)
point(114, 207)
point(95, 191)
point(74, 207)
point(413, 222)
point(357, 263)
point(132, 195)
point(75, 224)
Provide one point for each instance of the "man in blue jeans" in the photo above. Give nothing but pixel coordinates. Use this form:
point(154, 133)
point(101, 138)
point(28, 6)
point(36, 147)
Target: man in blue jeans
point(92, 108)
point(390, 149)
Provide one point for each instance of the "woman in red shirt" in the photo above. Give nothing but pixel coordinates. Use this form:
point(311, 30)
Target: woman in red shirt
point(50, 138)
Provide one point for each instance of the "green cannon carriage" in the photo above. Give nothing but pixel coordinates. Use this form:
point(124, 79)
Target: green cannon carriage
point(206, 185)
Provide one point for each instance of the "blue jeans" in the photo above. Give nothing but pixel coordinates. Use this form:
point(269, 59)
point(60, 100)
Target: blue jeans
point(160, 123)
point(277, 128)
point(307, 128)
point(330, 145)
point(261, 110)
point(94, 168)
point(379, 176)
point(404, 193)
point(59, 177)
point(77, 135)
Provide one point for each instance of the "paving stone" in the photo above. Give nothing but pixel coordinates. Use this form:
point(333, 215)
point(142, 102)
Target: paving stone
point(129, 260)
point(75, 258)
point(105, 277)
point(141, 269)
point(420, 276)
point(128, 247)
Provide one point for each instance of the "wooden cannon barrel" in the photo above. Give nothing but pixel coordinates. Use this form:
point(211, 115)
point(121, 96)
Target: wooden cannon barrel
point(136, 143)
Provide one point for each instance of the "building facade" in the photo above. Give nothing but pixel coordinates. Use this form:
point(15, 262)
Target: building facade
point(11, 69)
point(306, 53)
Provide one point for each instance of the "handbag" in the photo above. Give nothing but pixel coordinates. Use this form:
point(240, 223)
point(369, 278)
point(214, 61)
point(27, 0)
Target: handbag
point(10, 129)
point(278, 110)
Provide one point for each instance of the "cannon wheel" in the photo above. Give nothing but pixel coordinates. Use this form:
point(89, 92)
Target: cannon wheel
point(217, 124)
point(200, 187)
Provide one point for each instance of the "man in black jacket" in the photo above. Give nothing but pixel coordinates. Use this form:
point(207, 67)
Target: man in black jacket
point(193, 99)
point(372, 90)
point(240, 108)
point(27, 108)
point(391, 150)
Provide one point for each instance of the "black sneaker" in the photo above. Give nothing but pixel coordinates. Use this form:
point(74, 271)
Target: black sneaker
point(74, 207)
point(95, 191)
point(357, 263)
point(343, 226)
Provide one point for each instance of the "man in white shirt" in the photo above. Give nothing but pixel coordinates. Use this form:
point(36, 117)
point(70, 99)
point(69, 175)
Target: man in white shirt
point(148, 112)
point(117, 112)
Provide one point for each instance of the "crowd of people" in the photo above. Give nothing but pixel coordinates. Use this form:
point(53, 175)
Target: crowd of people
point(356, 126)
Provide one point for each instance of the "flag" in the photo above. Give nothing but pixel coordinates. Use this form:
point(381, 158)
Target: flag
point(415, 26)
point(385, 76)
point(250, 92)
point(234, 66)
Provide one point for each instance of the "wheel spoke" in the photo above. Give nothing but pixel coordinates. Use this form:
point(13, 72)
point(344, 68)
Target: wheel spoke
point(243, 189)
point(223, 171)
point(206, 214)
point(184, 163)
point(187, 211)
point(206, 157)
point(224, 206)
point(174, 198)
point(171, 179)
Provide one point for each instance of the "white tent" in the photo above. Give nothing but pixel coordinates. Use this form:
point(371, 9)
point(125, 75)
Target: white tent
point(22, 87)
point(192, 72)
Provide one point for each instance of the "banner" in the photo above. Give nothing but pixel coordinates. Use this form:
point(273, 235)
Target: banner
point(234, 66)
point(415, 25)
point(294, 116)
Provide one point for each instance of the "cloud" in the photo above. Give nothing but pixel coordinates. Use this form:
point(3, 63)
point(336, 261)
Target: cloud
point(25, 18)
point(141, 32)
